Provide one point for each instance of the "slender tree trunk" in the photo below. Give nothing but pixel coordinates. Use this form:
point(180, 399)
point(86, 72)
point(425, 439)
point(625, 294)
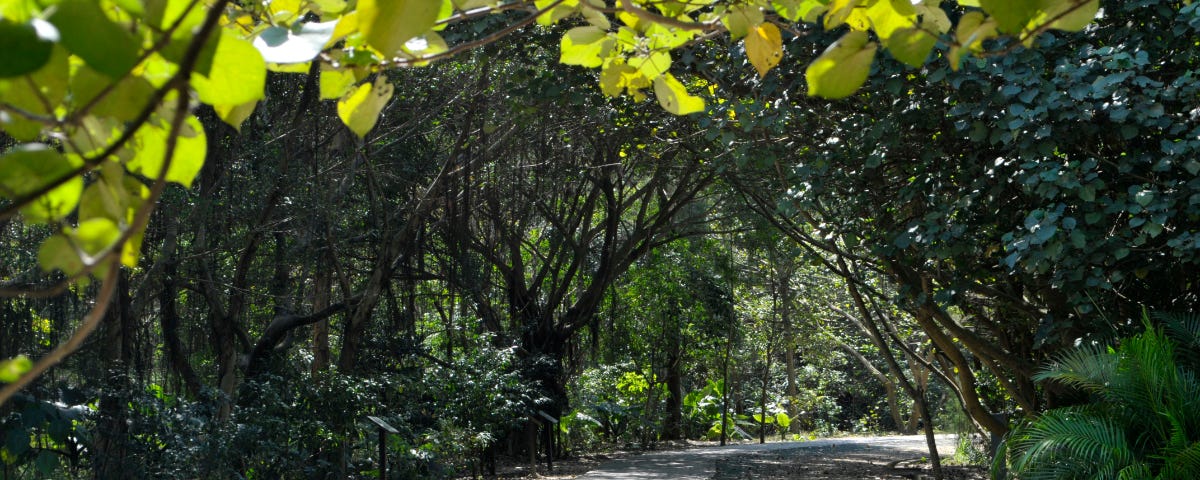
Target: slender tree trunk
point(110, 456)
point(673, 426)
point(322, 283)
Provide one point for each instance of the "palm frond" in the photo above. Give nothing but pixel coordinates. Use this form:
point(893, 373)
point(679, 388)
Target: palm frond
point(1090, 369)
point(1090, 444)
point(1181, 463)
point(1184, 329)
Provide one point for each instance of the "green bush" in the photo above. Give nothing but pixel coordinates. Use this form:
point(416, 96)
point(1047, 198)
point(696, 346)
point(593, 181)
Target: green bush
point(1142, 420)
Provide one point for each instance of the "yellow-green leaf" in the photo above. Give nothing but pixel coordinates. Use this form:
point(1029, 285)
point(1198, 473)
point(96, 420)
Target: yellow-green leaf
point(425, 45)
point(839, 11)
point(1011, 16)
point(234, 115)
point(887, 16)
point(799, 10)
point(149, 146)
point(594, 16)
point(616, 77)
point(388, 24)
point(95, 235)
point(973, 28)
point(842, 68)
point(674, 97)
point(741, 19)
point(563, 10)
point(335, 83)
point(764, 47)
point(57, 252)
point(585, 46)
point(31, 167)
point(911, 45)
point(237, 76)
point(11, 369)
point(1071, 15)
point(360, 109)
point(653, 65)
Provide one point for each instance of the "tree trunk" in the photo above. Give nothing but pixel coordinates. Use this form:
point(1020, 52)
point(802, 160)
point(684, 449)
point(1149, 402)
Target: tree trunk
point(673, 425)
point(109, 455)
point(322, 284)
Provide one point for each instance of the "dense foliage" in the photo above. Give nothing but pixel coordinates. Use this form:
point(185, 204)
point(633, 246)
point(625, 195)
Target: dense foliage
point(242, 230)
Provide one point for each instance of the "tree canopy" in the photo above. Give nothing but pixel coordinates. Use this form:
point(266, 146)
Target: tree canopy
point(732, 209)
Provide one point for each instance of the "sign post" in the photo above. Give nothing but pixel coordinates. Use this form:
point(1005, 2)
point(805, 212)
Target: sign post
point(384, 429)
point(551, 425)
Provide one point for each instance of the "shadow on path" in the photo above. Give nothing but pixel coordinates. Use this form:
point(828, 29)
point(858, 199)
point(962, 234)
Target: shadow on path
point(700, 463)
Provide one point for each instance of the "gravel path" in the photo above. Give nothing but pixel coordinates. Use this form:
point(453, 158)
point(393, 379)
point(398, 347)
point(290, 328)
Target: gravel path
point(834, 458)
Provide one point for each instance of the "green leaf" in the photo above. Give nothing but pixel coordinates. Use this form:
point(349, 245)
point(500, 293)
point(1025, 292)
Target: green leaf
point(674, 97)
point(1071, 15)
point(12, 369)
point(911, 45)
point(31, 167)
point(1012, 16)
point(149, 147)
point(585, 46)
point(88, 33)
point(238, 73)
point(842, 68)
point(295, 45)
point(57, 252)
point(783, 419)
point(37, 93)
point(123, 101)
point(741, 19)
point(95, 235)
point(388, 24)
point(27, 46)
point(46, 462)
point(360, 109)
point(799, 10)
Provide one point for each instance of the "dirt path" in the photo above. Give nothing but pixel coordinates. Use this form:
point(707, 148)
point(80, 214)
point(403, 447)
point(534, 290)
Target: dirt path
point(838, 458)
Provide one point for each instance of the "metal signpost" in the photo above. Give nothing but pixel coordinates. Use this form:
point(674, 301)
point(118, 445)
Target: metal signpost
point(384, 429)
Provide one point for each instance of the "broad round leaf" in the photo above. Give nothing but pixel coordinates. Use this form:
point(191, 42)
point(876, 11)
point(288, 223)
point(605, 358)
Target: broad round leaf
point(842, 68)
point(388, 24)
point(674, 97)
point(150, 150)
point(585, 46)
point(237, 76)
point(360, 109)
point(911, 45)
point(764, 47)
point(27, 46)
point(32, 167)
point(88, 33)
